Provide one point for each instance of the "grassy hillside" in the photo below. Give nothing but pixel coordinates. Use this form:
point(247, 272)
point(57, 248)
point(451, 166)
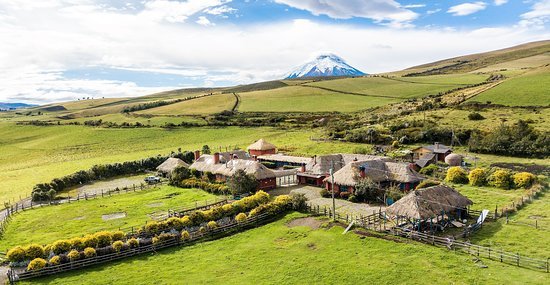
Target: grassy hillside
point(529, 89)
point(301, 255)
point(201, 106)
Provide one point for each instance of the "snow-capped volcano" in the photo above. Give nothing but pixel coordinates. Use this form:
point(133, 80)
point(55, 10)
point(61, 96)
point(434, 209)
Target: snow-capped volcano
point(325, 65)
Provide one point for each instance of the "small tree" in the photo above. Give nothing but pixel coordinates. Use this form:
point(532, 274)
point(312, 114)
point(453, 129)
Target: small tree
point(478, 177)
point(178, 174)
point(457, 175)
point(205, 149)
point(240, 183)
point(524, 179)
point(366, 189)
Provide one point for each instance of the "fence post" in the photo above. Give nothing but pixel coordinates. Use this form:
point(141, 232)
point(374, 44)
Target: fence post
point(517, 256)
point(496, 212)
point(547, 265)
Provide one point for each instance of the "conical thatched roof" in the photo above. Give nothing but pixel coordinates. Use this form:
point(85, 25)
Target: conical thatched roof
point(206, 163)
point(261, 144)
point(377, 170)
point(170, 164)
point(428, 203)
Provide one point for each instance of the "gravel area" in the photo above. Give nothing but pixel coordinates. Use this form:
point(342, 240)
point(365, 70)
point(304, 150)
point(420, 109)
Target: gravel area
point(105, 185)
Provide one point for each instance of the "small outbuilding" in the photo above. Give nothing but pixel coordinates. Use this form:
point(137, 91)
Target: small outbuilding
point(166, 168)
point(261, 147)
point(453, 159)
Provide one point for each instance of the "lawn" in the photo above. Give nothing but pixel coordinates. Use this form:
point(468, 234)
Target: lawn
point(307, 99)
point(47, 224)
point(529, 89)
point(520, 234)
point(201, 106)
point(490, 197)
point(277, 254)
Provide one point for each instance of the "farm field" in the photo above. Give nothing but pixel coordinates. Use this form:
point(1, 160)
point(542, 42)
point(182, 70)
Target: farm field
point(200, 106)
point(47, 224)
point(294, 255)
point(521, 234)
point(529, 89)
point(120, 118)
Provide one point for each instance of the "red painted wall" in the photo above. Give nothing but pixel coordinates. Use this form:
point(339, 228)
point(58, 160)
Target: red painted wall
point(267, 184)
point(261, 152)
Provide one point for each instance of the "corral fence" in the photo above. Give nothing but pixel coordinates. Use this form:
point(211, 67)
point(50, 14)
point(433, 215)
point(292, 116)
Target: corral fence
point(182, 211)
point(196, 236)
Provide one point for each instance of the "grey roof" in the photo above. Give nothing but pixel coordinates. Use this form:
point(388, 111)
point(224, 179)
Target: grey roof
point(425, 159)
point(206, 163)
point(437, 148)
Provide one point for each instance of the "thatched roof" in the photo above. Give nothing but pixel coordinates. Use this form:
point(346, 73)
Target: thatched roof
point(261, 144)
point(206, 163)
point(428, 203)
point(240, 154)
point(377, 170)
point(322, 164)
point(285, 158)
point(170, 164)
point(436, 148)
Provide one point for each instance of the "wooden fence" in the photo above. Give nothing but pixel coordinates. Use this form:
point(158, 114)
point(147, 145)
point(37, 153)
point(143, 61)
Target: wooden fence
point(182, 211)
point(195, 237)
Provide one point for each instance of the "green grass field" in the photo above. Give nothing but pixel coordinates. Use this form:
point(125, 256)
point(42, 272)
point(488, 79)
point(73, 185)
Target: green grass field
point(277, 254)
point(490, 197)
point(47, 224)
point(529, 89)
point(521, 234)
point(201, 106)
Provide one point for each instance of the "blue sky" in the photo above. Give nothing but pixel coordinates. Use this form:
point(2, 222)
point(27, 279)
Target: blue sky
point(61, 50)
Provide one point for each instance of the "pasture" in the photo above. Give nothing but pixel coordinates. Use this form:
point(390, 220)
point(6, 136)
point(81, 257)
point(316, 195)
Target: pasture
point(200, 106)
point(294, 255)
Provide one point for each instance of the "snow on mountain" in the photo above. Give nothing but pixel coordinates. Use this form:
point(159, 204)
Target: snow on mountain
point(325, 65)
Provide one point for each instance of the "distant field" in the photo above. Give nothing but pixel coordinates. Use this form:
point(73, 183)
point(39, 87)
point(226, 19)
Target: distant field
point(120, 118)
point(307, 99)
point(277, 254)
point(530, 89)
point(48, 224)
point(201, 106)
point(519, 64)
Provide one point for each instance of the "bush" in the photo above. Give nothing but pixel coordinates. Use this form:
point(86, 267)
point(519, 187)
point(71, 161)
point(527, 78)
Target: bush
point(16, 254)
point(212, 225)
point(73, 255)
point(118, 235)
point(61, 246)
point(324, 193)
point(185, 221)
point(299, 201)
point(55, 260)
point(395, 144)
point(163, 237)
point(353, 199)
point(36, 264)
point(89, 241)
point(185, 235)
point(241, 217)
point(426, 184)
point(475, 116)
point(501, 179)
point(117, 245)
point(524, 179)
point(429, 170)
point(77, 243)
point(34, 251)
point(202, 229)
point(103, 238)
point(478, 177)
point(89, 252)
point(133, 243)
point(456, 175)
point(241, 182)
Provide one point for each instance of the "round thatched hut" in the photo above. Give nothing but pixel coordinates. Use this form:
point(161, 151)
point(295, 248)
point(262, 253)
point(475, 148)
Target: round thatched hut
point(453, 159)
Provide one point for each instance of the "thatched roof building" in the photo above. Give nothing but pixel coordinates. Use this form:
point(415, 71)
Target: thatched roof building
point(377, 170)
point(208, 163)
point(261, 147)
point(170, 164)
point(428, 203)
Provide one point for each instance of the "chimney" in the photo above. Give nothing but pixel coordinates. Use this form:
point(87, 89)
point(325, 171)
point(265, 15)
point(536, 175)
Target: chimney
point(255, 158)
point(197, 154)
point(303, 167)
point(231, 156)
point(436, 145)
point(314, 159)
point(216, 158)
point(362, 172)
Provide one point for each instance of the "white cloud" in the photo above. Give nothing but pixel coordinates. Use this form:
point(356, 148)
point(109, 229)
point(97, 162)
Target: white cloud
point(204, 21)
point(220, 10)
point(538, 16)
point(430, 12)
point(467, 8)
point(500, 2)
point(413, 6)
point(176, 11)
point(381, 11)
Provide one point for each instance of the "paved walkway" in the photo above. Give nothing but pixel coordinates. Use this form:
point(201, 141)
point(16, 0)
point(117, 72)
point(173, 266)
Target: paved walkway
point(342, 206)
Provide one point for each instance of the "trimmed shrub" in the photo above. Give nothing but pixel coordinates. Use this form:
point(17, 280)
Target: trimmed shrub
point(478, 177)
point(426, 184)
point(501, 179)
point(429, 170)
point(212, 225)
point(241, 217)
point(47, 249)
point(185, 235)
point(89, 252)
point(299, 201)
point(202, 229)
point(152, 227)
point(55, 260)
point(456, 175)
point(185, 221)
point(163, 237)
point(227, 209)
point(174, 223)
point(118, 235)
point(34, 251)
point(74, 255)
point(61, 246)
point(77, 243)
point(524, 179)
point(117, 245)
point(89, 241)
point(133, 243)
point(103, 238)
point(16, 254)
point(324, 193)
point(36, 264)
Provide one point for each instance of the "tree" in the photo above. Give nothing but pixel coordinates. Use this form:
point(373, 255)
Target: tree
point(366, 189)
point(240, 183)
point(178, 174)
point(205, 149)
point(501, 178)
